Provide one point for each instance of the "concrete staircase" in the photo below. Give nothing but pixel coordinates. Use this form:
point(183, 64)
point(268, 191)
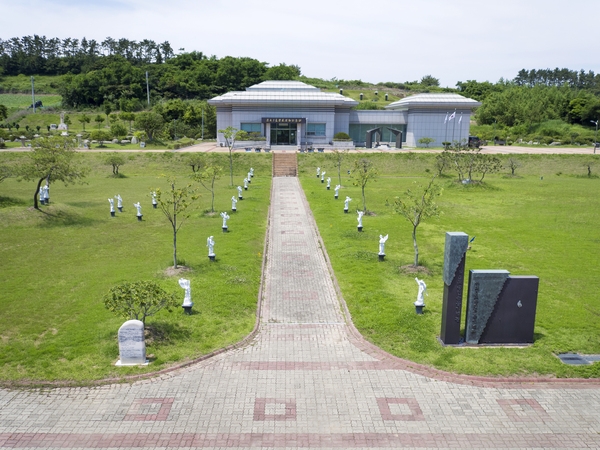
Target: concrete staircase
point(285, 164)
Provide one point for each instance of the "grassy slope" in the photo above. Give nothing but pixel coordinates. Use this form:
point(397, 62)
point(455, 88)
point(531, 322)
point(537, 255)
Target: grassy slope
point(56, 266)
point(525, 225)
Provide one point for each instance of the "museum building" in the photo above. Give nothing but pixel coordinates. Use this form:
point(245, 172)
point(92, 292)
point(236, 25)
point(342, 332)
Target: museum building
point(292, 113)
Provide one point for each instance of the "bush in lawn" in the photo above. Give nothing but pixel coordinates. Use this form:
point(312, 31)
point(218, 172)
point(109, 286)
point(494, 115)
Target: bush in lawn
point(115, 160)
point(118, 130)
point(138, 300)
point(341, 136)
point(426, 141)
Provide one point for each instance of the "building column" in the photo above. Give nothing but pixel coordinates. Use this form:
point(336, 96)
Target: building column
point(299, 135)
point(268, 133)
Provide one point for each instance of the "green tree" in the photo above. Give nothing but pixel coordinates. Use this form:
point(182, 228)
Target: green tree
point(207, 176)
point(416, 206)
point(175, 203)
point(338, 157)
point(138, 300)
point(231, 134)
point(118, 130)
point(5, 171)
point(99, 119)
point(101, 136)
point(52, 159)
point(115, 160)
point(3, 112)
point(429, 81)
point(127, 117)
point(426, 141)
point(83, 119)
point(362, 173)
point(107, 110)
point(150, 122)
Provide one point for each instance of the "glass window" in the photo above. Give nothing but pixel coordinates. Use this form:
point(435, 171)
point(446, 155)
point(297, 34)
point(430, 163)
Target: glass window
point(251, 127)
point(315, 129)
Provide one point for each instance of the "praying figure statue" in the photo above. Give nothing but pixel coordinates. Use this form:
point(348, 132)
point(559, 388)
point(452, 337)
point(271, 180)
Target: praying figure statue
point(210, 243)
point(139, 208)
point(112, 205)
point(119, 202)
point(246, 183)
point(46, 193)
point(154, 203)
point(360, 216)
point(248, 177)
point(225, 217)
point(323, 176)
point(318, 172)
point(382, 240)
point(233, 203)
point(422, 291)
point(185, 284)
point(337, 190)
point(348, 200)
point(239, 188)
point(328, 182)
point(41, 195)
point(251, 172)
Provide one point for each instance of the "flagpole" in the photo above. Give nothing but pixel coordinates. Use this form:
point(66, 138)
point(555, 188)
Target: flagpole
point(453, 126)
point(446, 123)
point(460, 128)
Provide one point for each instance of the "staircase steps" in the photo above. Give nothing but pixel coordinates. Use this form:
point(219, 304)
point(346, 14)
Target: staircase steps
point(285, 164)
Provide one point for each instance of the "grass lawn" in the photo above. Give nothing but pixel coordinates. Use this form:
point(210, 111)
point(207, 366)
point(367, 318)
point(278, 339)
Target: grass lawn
point(56, 265)
point(525, 224)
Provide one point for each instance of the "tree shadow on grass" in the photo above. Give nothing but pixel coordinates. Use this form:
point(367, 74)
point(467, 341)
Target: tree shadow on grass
point(60, 218)
point(165, 333)
point(6, 202)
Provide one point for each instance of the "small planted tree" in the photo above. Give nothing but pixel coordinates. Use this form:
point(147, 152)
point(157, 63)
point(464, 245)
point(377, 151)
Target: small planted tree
point(101, 136)
point(207, 176)
point(83, 119)
point(426, 141)
point(150, 122)
point(175, 203)
point(99, 120)
point(115, 160)
point(52, 159)
point(127, 117)
point(362, 173)
point(231, 134)
point(513, 164)
point(338, 157)
point(417, 205)
point(138, 300)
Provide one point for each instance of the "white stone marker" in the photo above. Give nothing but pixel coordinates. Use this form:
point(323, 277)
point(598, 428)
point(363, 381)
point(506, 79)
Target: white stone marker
point(132, 346)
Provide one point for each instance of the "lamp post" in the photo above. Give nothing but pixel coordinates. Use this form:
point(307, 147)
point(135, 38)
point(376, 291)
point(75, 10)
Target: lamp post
point(596, 135)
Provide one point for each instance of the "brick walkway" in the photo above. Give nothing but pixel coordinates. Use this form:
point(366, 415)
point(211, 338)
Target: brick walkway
point(306, 381)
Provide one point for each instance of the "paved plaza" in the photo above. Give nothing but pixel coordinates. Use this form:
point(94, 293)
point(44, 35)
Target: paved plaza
point(305, 380)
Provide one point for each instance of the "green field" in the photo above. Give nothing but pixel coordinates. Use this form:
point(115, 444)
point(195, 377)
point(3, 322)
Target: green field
point(56, 265)
point(527, 225)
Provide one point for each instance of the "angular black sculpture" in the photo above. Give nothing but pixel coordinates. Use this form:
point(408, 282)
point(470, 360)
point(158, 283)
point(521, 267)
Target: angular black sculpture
point(454, 276)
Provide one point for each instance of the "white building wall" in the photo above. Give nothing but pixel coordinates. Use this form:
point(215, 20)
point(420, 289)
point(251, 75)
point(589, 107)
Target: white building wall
point(431, 124)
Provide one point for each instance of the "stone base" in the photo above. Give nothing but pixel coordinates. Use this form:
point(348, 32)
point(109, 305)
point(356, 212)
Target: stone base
point(233, 209)
point(112, 214)
point(140, 218)
point(381, 257)
point(187, 310)
point(120, 208)
point(240, 197)
point(120, 364)
point(328, 187)
point(322, 181)
point(154, 205)
point(419, 309)
point(359, 228)
point(225, 230)
point(346, 211)
point(211, 257)
point(336, 197)
point(245, 188)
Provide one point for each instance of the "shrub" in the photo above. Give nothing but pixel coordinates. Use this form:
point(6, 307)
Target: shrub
point(341, 136)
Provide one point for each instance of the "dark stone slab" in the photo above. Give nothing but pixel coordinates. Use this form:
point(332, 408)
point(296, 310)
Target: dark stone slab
point(573, 359)
point(455, 248)
point(452, 306)
point(513, 318)
point(484, 290)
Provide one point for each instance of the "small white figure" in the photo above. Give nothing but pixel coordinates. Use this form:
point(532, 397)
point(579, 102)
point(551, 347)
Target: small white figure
point(139, 209)
point(337, 189)
point(185, 284)
point(112, 206)
point(239, 188)
point(119, 202)
point(210, 243)
point(248, 177)
point(422, 291)
point(41, 195)
point(328, 182)
point(154, 203)
point(46, 193)
point(360, 216)
point(251, 172)
point(318, 172)
point(225, 217)
point(323, 176)
point(246, 183)
point(233, 203)
point(348, 200)
point(382, 240)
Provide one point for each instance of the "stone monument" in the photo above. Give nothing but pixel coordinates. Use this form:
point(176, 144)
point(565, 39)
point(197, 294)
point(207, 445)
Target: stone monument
point(62, 125)
point(210, 243)
point(187, 300)
point(132, 347)
point(455, 251)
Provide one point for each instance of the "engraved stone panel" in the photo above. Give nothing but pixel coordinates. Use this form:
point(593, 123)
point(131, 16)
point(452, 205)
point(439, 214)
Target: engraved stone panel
point(484, 290)
point(132, 346)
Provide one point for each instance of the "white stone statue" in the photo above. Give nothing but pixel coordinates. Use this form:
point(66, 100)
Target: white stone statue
point(112, 205)
point(46, 189)
point(337, 189)
point(360, 216)
point(119, 201)
point(239, 188)
point(139, 208)
point(154, 203)
point(328, 182)
point(348, 200)
point(318, 172)
point(185, 284)
point(245, 183)
point(248, 178)
point(382, 240)
point(210, 243)
point(233, 203)
point(62, 125)
point(323, 176)
point(225, 217)
point(251, 172)
point(422, 291)
point(41, 194)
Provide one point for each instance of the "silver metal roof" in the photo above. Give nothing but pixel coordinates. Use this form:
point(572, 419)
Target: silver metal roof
point(434, 100)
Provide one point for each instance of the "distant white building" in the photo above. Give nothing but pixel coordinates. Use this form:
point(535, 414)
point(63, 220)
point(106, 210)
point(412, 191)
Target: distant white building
point(292, 113)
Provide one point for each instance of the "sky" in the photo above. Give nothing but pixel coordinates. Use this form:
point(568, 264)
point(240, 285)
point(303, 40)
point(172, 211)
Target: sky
point(370, 40)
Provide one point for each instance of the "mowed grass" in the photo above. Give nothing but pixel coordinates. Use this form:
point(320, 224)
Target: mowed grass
point(543, 222)
point(56, 265)
point(23, 101)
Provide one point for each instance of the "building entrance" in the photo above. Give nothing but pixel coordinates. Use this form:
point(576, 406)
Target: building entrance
point(284, 133)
